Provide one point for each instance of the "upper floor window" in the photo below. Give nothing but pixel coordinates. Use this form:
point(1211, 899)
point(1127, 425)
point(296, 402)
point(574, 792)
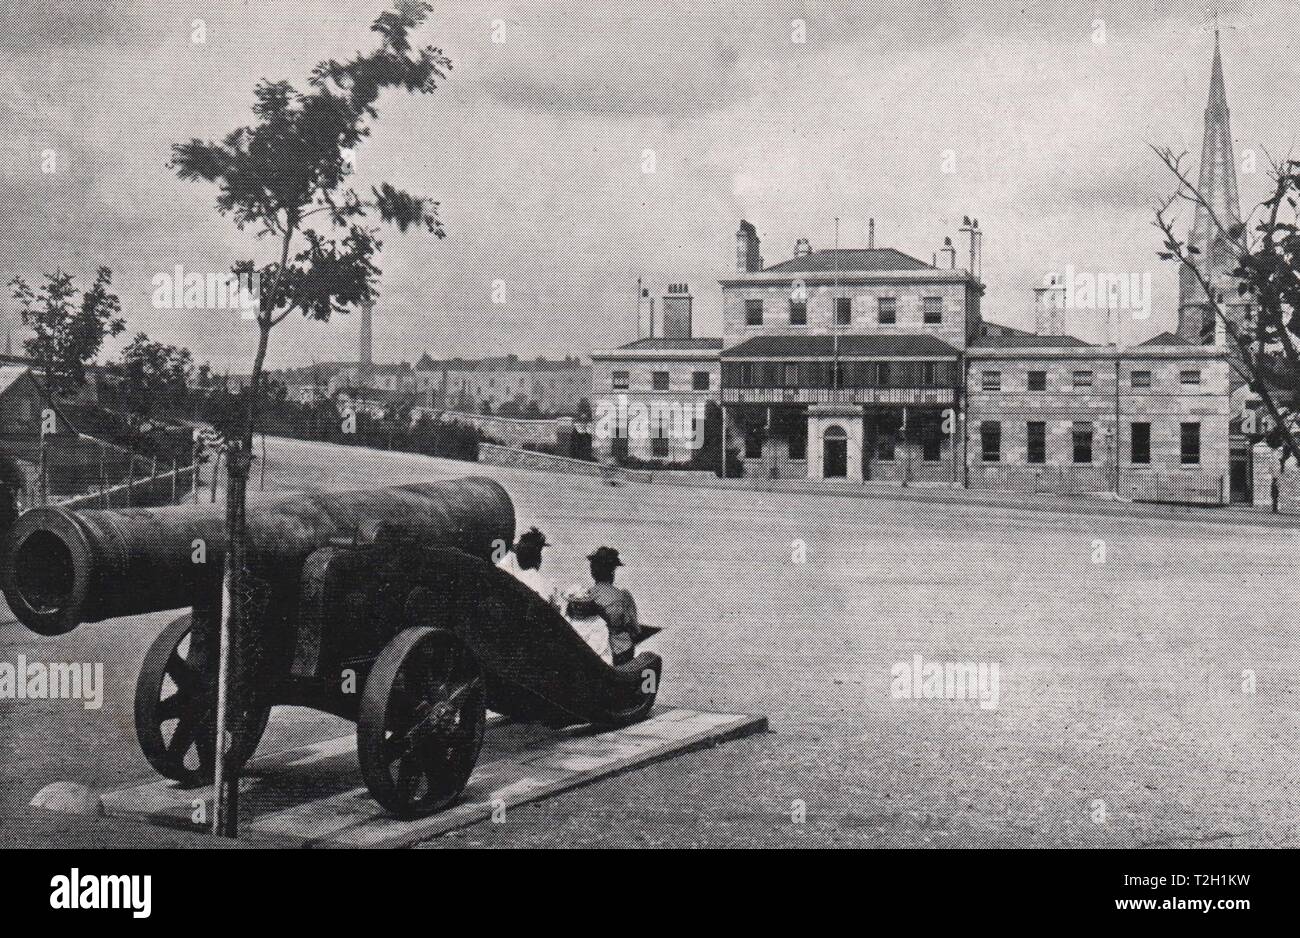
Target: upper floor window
point(790, 375)
point(1189, 377)
point(927, 374)
point(753, 312)
point(882, 374)
point(887, 310)
point(1083, 379)
point(932, 310)
point(660, 381)
point(1038, 381)
point(700, 381)
point(619, 380)
point(843, 311)
point(1140, 379)
point(992, 381)
point(798, 312)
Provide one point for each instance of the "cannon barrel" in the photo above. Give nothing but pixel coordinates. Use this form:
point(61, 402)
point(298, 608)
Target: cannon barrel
point(60, 568)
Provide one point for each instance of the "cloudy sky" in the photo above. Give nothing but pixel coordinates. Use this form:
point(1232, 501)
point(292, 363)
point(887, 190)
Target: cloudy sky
point(535, 147)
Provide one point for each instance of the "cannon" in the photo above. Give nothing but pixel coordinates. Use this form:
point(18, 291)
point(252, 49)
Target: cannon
point(382, 607)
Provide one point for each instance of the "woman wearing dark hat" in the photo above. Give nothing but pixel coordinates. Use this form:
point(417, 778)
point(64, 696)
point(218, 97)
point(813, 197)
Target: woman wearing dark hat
point(616, 606)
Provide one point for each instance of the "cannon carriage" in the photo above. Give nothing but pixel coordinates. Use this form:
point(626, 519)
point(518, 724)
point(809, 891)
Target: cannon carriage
point(381, 607)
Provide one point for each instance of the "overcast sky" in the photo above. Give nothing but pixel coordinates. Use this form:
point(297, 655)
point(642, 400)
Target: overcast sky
point(535, 148)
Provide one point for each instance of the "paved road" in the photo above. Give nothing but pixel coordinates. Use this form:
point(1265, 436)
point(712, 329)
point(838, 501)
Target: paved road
point(1121, 718)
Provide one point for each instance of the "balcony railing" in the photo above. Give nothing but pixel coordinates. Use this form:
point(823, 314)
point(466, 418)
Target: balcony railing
point(837, 396)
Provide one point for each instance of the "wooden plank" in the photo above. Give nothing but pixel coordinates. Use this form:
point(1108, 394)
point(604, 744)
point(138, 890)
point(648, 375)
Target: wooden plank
point(308, 797)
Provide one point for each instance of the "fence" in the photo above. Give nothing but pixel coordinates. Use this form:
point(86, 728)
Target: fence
point(1190, 488)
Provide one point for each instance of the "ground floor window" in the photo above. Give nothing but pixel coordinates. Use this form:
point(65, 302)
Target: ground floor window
point(1190, 448)
point(618, 447)
point(991, 441)
point(659, 447)
point(1036, 434)
point(1082, 433)
point(1140, 444)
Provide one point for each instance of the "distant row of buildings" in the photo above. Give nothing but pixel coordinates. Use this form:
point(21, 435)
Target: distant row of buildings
point(555, 386)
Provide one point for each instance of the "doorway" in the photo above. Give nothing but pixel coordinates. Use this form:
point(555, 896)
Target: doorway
point(835, 453)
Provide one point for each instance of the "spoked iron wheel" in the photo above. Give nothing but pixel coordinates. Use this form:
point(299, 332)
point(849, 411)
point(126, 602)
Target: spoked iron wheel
point(421, 722)
point(176, 706)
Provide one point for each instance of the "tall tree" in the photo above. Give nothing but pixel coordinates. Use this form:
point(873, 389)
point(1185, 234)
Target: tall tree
point(286, 175)
point(68, 329)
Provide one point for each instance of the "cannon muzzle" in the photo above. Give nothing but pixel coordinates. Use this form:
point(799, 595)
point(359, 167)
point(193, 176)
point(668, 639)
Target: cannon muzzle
point(60, 568)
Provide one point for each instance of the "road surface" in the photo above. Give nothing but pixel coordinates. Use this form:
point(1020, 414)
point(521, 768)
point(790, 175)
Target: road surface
point(1122, 645)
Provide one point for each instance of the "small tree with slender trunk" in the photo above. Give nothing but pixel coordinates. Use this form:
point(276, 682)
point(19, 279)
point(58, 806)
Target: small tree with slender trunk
point(286, 176)
point(1265, 249)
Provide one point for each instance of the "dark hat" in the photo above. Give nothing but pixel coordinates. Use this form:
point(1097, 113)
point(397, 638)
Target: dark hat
point(533, 538)
point(606, 556)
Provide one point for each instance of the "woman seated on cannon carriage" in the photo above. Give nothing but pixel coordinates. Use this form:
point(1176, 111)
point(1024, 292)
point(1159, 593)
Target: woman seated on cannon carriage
point(603, 615)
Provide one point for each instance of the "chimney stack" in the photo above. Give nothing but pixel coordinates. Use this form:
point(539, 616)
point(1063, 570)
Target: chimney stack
point(677, 311)
point(1049, 304)
point(365, 340)
point(802, 248)
point(871, 233)
point(950, 252)
point(748, 259)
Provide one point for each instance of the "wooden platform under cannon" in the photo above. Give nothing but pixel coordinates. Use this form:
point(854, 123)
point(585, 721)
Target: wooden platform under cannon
point(310, 796)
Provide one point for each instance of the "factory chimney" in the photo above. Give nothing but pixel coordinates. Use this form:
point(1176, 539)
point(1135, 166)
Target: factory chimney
point(871, 233)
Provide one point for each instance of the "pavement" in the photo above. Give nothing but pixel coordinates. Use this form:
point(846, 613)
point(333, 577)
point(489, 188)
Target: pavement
point(1125, 645)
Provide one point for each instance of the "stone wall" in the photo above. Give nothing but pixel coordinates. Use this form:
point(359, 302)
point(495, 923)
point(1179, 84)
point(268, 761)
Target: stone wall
point(507, 431)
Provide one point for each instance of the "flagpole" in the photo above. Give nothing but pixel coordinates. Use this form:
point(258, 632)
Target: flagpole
point(835, 318)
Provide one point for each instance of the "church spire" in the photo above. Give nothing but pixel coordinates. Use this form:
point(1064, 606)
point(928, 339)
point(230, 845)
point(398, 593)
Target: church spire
point(1218, 187)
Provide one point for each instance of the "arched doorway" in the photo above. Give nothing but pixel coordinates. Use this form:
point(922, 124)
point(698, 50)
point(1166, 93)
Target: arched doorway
point(835, 453)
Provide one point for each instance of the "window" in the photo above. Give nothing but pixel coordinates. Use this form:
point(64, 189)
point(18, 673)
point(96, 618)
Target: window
point(753, 443)
point(927, 374)
point(1140, 444)
point(882, 374)
point(700, 381)
point(1038, 381)
point(992, 381)
point(797, 435)
point(1140, 379)
point(659, 447)
point(1036, 434)
point(1189, 378)
point(1082, 433)
point(753, 312)
point(617, 448)
point(932, 310)
point(619, 380)
point(660, 380)
point(991, 441)
point(1083, 379)
point(931, 437)
point(887, 310)
point(790, 375)
point(843, 311)
point(1189, 453)
point(798, 312)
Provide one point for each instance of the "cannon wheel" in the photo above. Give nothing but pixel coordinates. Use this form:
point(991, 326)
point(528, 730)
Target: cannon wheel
point(175, 708)
point(421, 723)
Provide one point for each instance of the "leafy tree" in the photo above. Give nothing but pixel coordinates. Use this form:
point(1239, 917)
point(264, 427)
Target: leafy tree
point(286, 176)
point(1266, 250)
point(149, 373)
point(68, 331)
